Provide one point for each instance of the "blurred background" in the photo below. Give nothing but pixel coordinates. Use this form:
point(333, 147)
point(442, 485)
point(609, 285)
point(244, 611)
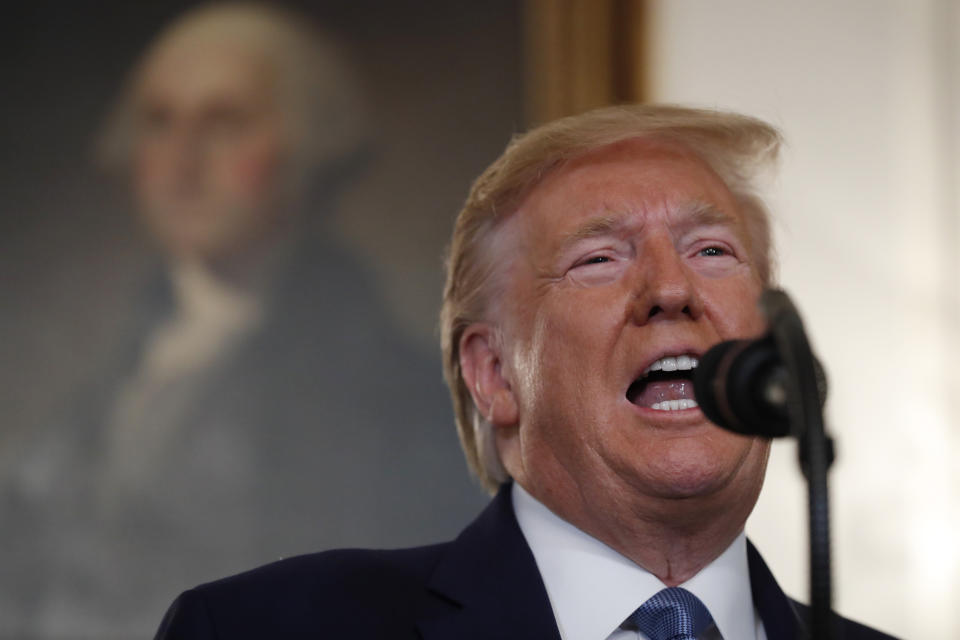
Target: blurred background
point(221, 241)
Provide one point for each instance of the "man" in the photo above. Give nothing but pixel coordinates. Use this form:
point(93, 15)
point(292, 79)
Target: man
point(592, 265)
point(260, 377)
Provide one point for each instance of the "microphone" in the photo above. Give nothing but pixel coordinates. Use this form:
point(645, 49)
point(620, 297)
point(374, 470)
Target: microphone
point(743, 386)
point(772, 387)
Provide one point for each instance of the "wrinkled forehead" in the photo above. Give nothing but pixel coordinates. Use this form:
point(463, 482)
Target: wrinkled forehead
point(618, 181)
point(641, 157)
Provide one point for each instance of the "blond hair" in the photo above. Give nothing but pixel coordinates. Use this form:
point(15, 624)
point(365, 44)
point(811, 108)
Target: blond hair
point(735, 146)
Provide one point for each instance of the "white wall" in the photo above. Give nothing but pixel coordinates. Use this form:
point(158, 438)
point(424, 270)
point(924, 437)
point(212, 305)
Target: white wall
point(866, 93)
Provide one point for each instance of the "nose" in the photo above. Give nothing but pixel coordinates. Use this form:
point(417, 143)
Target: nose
point(187, 159)
point(664, 287)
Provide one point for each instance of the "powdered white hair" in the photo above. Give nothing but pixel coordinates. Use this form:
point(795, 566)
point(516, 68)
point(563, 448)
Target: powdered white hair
point(316, 90)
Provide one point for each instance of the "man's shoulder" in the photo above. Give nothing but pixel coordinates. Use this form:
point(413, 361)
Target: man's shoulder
point(325, 593)
point(785, 617)
point(856, 631)
point(846, 628)
point(345, 569)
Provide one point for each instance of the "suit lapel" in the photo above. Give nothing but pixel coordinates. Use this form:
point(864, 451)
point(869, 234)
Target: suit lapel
point(486, 585)
point(781, 620)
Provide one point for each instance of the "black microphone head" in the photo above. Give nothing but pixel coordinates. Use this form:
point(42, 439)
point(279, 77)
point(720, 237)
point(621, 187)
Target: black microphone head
point(706, 379)
point(740, 386)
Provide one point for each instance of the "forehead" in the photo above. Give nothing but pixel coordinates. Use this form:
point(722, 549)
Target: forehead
point(641, 170)
point(630, 182)
point(196, 70)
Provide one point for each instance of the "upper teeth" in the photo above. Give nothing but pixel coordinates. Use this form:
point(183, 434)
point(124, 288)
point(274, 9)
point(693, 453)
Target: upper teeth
point(673, 363)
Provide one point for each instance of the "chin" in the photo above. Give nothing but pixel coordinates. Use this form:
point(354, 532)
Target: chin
point(688, 470)
point(190, 247)
point(685, 483)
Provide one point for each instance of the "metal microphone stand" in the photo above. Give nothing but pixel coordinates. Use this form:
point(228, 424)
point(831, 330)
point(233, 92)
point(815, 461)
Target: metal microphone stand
point(815, 447)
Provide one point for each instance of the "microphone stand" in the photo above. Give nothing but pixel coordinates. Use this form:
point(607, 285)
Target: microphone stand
point(815, 447)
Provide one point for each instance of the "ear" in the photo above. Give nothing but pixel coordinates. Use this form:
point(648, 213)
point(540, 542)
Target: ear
point(481, 365)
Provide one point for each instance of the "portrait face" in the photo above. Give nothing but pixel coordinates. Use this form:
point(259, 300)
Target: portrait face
point(632, 257)
point(209, 150)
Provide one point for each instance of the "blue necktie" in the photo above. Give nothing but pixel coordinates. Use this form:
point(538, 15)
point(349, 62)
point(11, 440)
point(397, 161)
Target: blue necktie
point(672, 614)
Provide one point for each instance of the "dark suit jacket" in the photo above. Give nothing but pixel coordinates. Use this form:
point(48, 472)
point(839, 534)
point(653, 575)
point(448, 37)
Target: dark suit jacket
point(483, 585)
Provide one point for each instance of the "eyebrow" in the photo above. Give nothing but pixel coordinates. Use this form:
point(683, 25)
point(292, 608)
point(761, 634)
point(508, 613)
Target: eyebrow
point(698, 213)
point(595, 227)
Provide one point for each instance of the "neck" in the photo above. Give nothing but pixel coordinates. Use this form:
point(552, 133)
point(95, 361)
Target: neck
point(677, 551)
point(250, 270)
point(672, 538)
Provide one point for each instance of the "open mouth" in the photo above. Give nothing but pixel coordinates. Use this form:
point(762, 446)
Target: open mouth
point(666, 385)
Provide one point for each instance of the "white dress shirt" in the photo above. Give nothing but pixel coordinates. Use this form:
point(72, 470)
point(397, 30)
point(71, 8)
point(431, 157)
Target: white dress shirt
point(592, 588)
point(211, 319)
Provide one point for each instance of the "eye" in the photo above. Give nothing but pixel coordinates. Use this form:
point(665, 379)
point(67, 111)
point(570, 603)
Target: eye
point(596, 269)
point(226, 121)
point(712, 251)
point(596, 259)
point(155, 119)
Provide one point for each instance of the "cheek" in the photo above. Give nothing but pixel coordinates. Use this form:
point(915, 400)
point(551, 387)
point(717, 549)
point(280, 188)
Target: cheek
point(565, 359)
point(151, 168)
point(568, 333)
point(250, 172)
point(734, 310)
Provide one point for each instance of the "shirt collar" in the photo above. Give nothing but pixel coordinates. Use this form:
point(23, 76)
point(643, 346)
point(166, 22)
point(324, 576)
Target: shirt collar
point(593, 588)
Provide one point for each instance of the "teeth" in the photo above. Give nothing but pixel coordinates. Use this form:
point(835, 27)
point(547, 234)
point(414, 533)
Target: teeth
point(673, 363)
point(674, 405)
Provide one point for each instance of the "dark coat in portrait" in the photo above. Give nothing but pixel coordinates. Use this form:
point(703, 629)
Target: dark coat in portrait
point(323, 428)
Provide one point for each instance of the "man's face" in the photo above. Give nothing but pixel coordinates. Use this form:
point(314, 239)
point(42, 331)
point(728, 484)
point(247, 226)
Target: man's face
point(633, 255)
point(208, 150)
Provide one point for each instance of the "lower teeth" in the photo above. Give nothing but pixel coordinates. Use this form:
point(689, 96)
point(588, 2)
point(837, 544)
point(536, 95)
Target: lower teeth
point(674, 405)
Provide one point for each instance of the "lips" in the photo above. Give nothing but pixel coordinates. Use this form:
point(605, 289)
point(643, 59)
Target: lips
point(666, 384)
